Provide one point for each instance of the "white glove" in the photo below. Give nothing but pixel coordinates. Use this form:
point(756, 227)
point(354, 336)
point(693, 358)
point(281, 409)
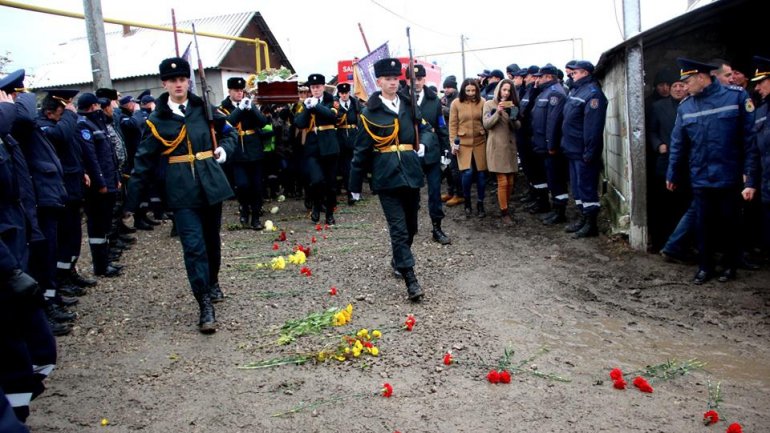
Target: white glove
point(355, 195)
point(220, 154)
point(420, 153)
point(309, 103)
point(245, 104)
point(445, 161)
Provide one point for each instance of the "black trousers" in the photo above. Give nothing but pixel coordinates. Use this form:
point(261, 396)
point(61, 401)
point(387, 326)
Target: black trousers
point(322, 176)
point(69, 235)
point(400, 207)
point(99, 212)
point(716, 221)
point(198, 230)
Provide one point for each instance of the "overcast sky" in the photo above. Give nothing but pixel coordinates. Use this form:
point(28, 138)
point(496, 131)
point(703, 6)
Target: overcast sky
point(315, 35)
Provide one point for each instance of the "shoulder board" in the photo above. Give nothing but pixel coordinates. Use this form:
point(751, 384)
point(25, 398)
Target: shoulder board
point(81, 119)
point(736, 88)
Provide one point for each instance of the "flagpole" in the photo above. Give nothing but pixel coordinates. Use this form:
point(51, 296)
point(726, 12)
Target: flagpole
point(176, 39)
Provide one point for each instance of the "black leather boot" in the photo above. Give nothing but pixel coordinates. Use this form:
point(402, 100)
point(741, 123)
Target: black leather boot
point(577, 225)
point(216, 294)
point(413, 289)
point(79, 280)
point(589, 229)
point(438, 234)
point(243, 211)
point(557, 216)
point(207, 322)
point(140, 220)
point(255, 223)
point(330, 219)
point(59, 314)
point(396, 272)
point(468, 208)
point(541, 204)
point(480, 212)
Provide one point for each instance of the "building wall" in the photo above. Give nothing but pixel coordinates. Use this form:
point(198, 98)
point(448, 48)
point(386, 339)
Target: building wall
point(616, 145)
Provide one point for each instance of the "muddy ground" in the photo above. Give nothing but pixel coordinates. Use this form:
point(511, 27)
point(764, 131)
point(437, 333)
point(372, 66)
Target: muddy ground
point(136, 359)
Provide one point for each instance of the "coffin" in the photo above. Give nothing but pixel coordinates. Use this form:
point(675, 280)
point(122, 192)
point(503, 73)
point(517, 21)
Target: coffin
point(277, 92)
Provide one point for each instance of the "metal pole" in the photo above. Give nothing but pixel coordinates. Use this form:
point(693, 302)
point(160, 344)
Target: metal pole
point(636, 157)
point(97, 43)
point(462, 50)
point(366, 44)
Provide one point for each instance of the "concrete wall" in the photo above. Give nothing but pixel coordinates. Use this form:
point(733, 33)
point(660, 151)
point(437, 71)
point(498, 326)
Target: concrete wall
point(616, 145)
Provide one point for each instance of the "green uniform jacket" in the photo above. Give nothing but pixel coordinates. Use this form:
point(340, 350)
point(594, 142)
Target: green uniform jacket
point(319, 143)
point(431, 113)
point(249, 123)
point(188, 185)
point(390, 170)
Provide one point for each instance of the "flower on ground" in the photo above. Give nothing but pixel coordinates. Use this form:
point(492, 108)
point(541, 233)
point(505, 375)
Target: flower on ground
point(333, 291)
point(278, 263)
point(619, 384)
point(306, 271)
point(376, 334)
point(343, 316)
point(642, 384)
point(105, 422)
point(505, 377)
point(493, 376)
point(318, 227)
point(735, 428)
point(616, 374)
point(282, 236)
point(298, 258)
point(324, 237)
point(374, 351)
point(313, 240)
point(387, 390)
point(304, 249)
point(710, 417)
point(448, 358)
point(275, 246)
point(326, 226)
point(269, 226)
point(409, 323)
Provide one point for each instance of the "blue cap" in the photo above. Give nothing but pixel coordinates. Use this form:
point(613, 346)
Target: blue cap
point(104, 102)
point(143, 94)
point(688, 68)
point(86, 100)
point(64, 95)
point(584, 65)
point(146, 99)
point(13, 82)
point(485, 73)
point(497, 73)
point(547, 69)
point(512, 69)
point(762, 68)
point(532, 70)
point(570, 65)
point(126, 99)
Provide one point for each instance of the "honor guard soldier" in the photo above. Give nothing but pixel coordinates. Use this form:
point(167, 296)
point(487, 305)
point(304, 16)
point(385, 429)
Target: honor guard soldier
point(386, 142)
point(582, 143)
point(713, 141)
point(58, 120)
point(430, 107)
point(247, 161)
point(195, 185)
point(547, 116)
point(27, 346)
point(348, 109)
point(318, 115)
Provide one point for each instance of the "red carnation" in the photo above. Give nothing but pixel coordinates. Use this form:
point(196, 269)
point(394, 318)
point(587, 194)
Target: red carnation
point(387, 390)
point(710, 417)
point(409, 323)
point(448, 359)
point(368, 344)
point(318, 227)
point(282, 236)
point(305, 271)
point(642, 384)
point(616, 374)
point(735, 428)
point(505, 377)
point(326, 226)
point(275, 246)
point(493, 376)
point(333, 291)
point(619, 384)
point(313, 240)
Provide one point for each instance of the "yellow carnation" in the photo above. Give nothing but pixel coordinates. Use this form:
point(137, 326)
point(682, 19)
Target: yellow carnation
point(374, 351)
point(278, 263)
point(364, 333)
point(376, 334)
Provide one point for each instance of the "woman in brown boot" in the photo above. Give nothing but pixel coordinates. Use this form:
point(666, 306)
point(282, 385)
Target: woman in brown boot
point(500, 120)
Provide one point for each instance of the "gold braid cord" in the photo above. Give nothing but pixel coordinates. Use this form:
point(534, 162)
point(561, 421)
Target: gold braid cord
point(380, 141)
point(171, 145)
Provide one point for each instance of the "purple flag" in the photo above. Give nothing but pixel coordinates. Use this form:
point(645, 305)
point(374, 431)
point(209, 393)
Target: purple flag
point(365, 67)
point(187, 56)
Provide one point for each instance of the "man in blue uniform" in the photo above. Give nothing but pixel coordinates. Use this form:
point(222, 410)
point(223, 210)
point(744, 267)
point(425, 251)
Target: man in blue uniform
point(430, 107)
point(582, 143)
point(713, 141)
point(318, 115)
point(386, 142)
point(533, 165)
point(195, 185)
point(247, 161)
point(762, 130)
point(547, 116)
point(27, 346)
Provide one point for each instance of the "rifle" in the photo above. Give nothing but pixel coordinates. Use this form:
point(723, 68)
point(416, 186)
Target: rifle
point(205, 92)
point(413, 95)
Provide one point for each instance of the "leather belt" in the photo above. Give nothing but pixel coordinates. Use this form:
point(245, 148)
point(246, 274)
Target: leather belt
point(247, 132)
point(395, 148)
point(190, 157)
point(323, 128)
point(348, 126)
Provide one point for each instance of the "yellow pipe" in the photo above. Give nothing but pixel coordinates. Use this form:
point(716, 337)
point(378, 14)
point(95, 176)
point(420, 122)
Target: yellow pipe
point(256, 41)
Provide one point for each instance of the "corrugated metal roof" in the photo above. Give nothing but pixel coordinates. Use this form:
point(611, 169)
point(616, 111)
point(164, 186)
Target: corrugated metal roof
point(139, 53)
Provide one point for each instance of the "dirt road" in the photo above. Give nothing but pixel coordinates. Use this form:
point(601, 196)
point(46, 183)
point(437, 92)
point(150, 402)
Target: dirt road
point(578, 307)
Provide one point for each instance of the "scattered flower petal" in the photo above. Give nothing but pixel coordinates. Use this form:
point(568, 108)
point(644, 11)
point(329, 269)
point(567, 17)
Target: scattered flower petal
point(642, 384)
point(275, 246)
point(448, 358)
point(735, 428)
point(333, 291)
point(387, 390)
point(619, 384)
point(616, 374)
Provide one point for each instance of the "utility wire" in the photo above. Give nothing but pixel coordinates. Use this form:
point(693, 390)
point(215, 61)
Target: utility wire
point(412, 22)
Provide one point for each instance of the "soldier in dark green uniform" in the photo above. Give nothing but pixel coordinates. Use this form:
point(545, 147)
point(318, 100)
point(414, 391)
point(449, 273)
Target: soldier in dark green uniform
point(318, 115)
point(249, 150)
point(347, 121)
point(386, 142)
point(196, 186)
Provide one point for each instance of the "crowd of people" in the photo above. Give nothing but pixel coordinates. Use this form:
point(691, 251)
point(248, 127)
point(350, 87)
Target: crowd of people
point(175, 157)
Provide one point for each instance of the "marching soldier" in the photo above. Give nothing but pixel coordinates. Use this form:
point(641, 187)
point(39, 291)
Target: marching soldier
point(247, 161)
point(430, 107)
point(348, 109)
point(195, 185)
point(386, 142)
point(318, 115)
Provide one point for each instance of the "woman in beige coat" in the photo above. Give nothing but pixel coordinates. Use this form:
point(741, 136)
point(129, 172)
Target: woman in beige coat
point(499, 118)
point(466, 128)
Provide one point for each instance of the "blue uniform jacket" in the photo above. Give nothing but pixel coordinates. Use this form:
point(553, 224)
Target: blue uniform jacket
point(42, 161)
point(100, 160)
point(547, 115)
point(762, 131)
point(62, 135)
point(132, 126)
point(584, 114)
point(713, 137)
